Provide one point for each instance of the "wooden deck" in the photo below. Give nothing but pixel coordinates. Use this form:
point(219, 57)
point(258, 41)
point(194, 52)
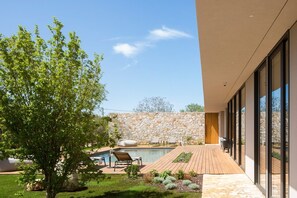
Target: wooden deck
point(206, 159)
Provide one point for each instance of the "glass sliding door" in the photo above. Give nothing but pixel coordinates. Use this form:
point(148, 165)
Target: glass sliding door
point(272, 120)
point(242, 126)
point(286, 122)
point(237, 129)
point(275, 133)
point(233, 143)
point(262, 140)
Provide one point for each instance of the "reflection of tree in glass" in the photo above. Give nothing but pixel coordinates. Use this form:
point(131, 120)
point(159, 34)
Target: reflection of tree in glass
point(263, 104)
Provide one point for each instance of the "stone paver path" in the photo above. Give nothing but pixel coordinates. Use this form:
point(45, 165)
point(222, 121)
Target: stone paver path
point(229, 186)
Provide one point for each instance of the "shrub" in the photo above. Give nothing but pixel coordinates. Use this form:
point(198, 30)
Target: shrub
point(165, 173)
point(180, 174)
point(192, 173)
point(154, 173)
point(187, 176)
point(158, 180)
point(132, 171)
point(147, 178)
point(170, 186)
point(186, 182)
point(193, 186)
point(171, 178)
point(167, 181)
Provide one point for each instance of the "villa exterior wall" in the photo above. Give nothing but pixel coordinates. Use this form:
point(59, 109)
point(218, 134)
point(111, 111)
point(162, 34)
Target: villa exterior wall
point(186, 126)
point(293, 113)
point(221, 124)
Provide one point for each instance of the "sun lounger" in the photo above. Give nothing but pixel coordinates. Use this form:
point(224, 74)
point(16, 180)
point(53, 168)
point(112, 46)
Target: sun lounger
point(155, 140)
point(171, 140)
point(123, 158)
point(98, 160)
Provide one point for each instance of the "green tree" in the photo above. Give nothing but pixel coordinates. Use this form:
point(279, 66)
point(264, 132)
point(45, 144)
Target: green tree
point(48, 92)
point(193, 108)
point(154, 104)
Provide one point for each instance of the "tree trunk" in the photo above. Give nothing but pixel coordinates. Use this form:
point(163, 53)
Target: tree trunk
point(50, 189)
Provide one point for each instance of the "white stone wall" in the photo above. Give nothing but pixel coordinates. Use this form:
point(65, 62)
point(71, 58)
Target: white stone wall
point(186, 126)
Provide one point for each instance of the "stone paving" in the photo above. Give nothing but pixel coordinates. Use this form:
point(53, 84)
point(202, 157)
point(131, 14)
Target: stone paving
point(229, 186)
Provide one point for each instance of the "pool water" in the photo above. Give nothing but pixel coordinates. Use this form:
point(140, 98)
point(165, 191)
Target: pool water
point(148, 154)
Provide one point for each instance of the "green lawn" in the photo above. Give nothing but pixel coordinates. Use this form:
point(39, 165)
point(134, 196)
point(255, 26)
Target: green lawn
point(116, 186)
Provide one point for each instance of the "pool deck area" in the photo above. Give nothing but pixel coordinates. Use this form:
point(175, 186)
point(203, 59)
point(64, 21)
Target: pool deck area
point(206, 159)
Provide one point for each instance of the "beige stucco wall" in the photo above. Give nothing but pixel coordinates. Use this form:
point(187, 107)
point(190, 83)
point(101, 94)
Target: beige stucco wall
point(250, 156)
point(293, 112)
point(145, 126)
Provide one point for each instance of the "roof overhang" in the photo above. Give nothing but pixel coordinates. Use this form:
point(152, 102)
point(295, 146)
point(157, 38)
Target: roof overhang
point(234, 37)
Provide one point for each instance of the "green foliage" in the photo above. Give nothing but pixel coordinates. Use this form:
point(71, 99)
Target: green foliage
point(180, 174)
point(171, 178)
point(170, 186)
point(192, 173)
point(117, 186)
point(193, 108)
point(104, 133)
point(186, 182)
point(88, 171)
point(154, 104)
point(48, 92)
point(193, 186)
point(158, 180)
point(165, 173)
point(132, 171)
point(167, 181)
point(183, 157)
point(29, 173)
point(154, 173)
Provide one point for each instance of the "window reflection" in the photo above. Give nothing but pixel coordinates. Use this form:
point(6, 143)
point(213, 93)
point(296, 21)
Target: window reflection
point(276, 125)
point(262, 127)
point(242, 111)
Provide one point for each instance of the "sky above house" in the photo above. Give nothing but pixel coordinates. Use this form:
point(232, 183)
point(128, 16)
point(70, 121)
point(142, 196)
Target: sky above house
point(150, 48)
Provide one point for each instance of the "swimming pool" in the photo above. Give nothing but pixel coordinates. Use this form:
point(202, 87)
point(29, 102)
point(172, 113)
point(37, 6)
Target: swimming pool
point(148, 155)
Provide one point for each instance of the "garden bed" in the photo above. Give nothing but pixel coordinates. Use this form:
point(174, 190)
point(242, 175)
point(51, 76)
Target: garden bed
point(183, 157)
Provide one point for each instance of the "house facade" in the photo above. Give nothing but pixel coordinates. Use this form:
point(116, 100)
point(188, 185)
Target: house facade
point(249, 68)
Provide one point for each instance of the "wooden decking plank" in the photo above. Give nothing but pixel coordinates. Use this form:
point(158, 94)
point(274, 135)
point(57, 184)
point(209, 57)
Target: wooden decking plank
point(208, 159)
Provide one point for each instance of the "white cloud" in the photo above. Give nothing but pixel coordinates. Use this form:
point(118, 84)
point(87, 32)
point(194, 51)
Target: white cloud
point(131, 50)
point(167, 33)
point(126, 49)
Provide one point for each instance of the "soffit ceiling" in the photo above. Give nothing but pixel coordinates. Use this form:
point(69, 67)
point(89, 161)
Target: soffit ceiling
point(234, 37)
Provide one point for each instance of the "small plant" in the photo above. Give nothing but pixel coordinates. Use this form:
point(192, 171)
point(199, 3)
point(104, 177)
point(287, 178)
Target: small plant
point(200, 142)
point(167, 181)
point(186, 182)
point(154, 173)
point(165, 173)
point(170, 186)
point(171, 178)
point(187, 176)
point(192, 173)
point(189, 139)
point(158, 180)
point(180, 174)
point(147, 178)
point(132, 171)
point(193, 186)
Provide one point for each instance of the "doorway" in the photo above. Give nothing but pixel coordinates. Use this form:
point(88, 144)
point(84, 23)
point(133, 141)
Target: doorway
point(211, 128)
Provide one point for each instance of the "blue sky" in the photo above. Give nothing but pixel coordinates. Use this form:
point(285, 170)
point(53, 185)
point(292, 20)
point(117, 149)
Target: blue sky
point(150, 47)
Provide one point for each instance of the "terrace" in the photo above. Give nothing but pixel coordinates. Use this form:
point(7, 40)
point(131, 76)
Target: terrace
point(221, 174)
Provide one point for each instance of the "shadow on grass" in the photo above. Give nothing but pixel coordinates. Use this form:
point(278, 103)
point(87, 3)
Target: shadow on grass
point(130, 193)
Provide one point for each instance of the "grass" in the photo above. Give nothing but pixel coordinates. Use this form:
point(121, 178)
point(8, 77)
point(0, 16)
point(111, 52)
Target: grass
point(116, 186)
point(183, 157)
